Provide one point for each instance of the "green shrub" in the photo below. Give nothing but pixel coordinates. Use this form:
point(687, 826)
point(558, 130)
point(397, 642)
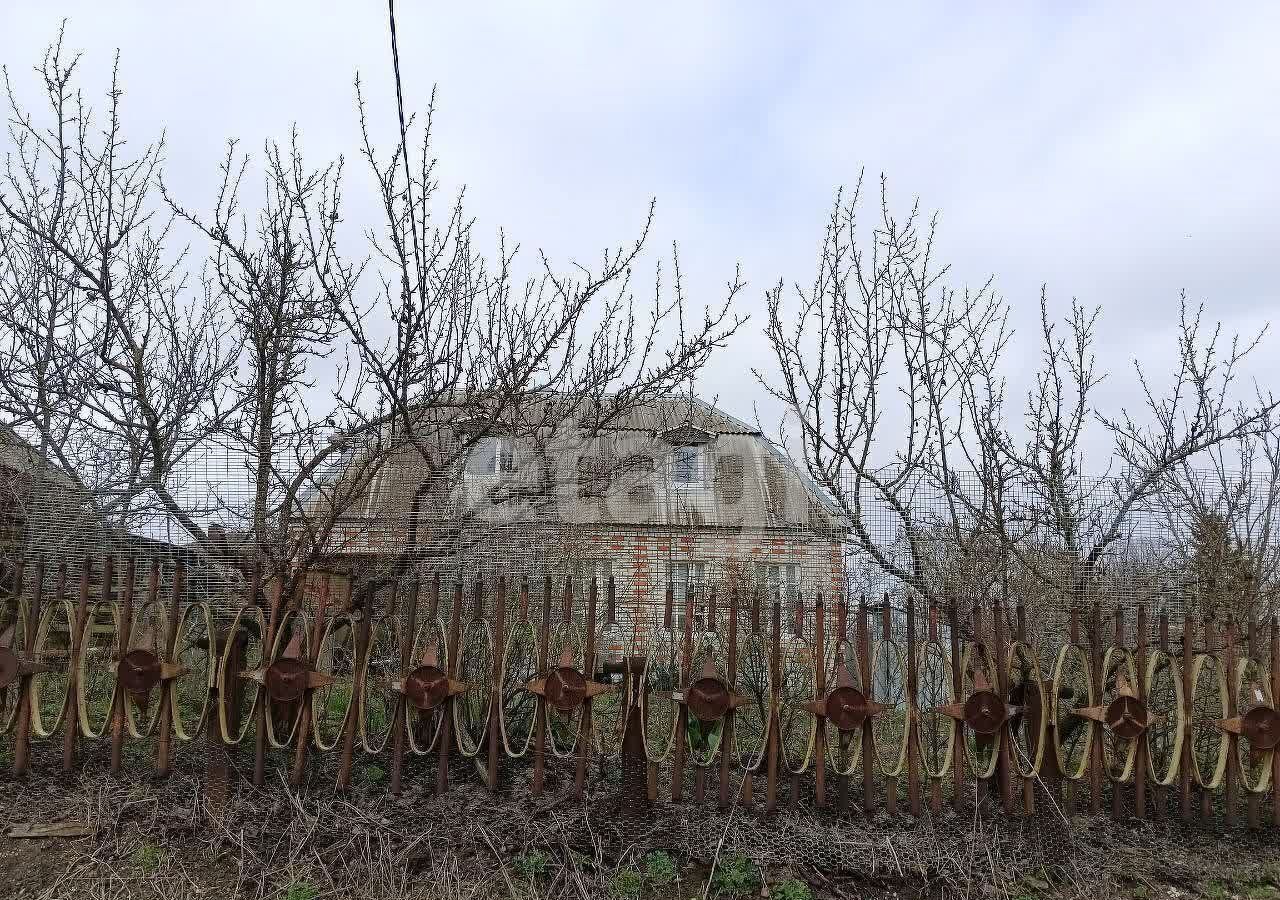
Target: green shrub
point(148, 857)
point(372, 775)
point(627, 884)
point(735, 875)
point(532, 864)
point(791, 889)
point(301, 890)
point(660, 869)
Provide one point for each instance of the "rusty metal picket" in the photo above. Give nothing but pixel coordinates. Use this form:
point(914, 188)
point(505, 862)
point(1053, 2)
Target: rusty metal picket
point(759, 702)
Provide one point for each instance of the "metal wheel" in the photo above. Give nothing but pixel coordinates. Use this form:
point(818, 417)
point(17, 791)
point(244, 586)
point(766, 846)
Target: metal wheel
point(1208, 705)
point(238, 698)
point(518, 715)
point(1025, 692)
point(96, 669)
point(609, 711)
point(50, 694)
point(751, 721)
point(424, 725)
point(978, 673)
point(1072, 690)
point(331, 704)
point(797, 729)
point(379, 668)
point(936, 734)
point(189, 693)
point(563, 726)
point(471, 708)
point(1253, 690)
point(844, 748)
point(148, 631)
point(1168, 727)
point(13, 637)
point(1119, 674)
point(292, 641)
point(658, 707)
point(891, 729)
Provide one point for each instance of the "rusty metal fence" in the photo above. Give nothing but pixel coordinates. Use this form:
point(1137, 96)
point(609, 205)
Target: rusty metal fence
point(738, 700)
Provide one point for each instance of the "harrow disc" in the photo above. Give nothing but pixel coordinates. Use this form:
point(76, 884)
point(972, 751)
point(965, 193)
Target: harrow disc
point(331, 704)
point(937, 730)
point(844, 748)
point(189, 692)
point(1253, 692)
point(292, 644)
point(978, 674)
point(563, 725)
point(471, 708)
point(243, 651)
point(50, 694)
point(891, 729)
point(797, 728)
point(1025, 692)
point(13, 638)
point(1072, 690)
point(96, 669)
point(1168, 725)
point(379, 668)
point(751, 720)
point(704, 733)
point(1209, 698)
point(609, 711)
point(1119, 749)
point(147, 631)
point(518, 715)
point(658, 706)
point(424, 725)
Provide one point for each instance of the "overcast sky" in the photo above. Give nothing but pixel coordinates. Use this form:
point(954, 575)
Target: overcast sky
point(1118, 153)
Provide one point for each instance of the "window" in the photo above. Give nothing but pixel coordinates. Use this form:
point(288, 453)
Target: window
point(686, 576)
point(584, 570)
point(779, 579)
point(686, 466)
point(492, 456)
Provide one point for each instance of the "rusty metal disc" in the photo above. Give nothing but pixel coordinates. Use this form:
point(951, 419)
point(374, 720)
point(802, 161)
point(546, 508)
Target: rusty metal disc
point(426, 687)
point(286, 679)
point(138, 672)
point(708, 698)
point(985, 712)
point(566, 688)
point(846, 708)
point(1127, 717)
point(1260, 726)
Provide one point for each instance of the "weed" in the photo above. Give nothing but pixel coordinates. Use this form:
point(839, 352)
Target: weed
point(1263, 891)
point(372, 775)
point(628, 884)
point(735, 875)
point(1216, 890)
point(301, 890)
point(791, 889)
point(532, 864)
point(660, 869)
point(148, 857)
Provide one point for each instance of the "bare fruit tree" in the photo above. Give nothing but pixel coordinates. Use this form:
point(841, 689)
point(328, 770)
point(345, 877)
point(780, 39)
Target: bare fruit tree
point(307, 357)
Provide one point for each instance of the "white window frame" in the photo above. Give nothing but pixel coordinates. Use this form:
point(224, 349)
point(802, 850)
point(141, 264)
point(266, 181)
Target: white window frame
point(699, 473)
point(779, 578)
point(504, 450)
point(683, 575)
point(601, 568)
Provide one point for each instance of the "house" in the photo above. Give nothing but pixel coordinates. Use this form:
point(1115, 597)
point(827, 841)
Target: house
point(675, 493)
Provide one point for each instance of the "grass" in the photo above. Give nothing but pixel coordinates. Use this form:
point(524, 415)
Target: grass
point(790, 889)
point(300, 890)
point(627, 884)
point(148, 857)
point(660, 869)
point(735, 876)
point(371, 775)
point(532, 864)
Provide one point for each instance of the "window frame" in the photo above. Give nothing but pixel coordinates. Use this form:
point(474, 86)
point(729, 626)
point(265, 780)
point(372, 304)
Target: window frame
point(699, 473)
point(503, 447)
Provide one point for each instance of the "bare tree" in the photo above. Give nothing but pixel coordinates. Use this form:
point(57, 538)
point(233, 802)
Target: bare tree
point(874, 361)
point(122, 374)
